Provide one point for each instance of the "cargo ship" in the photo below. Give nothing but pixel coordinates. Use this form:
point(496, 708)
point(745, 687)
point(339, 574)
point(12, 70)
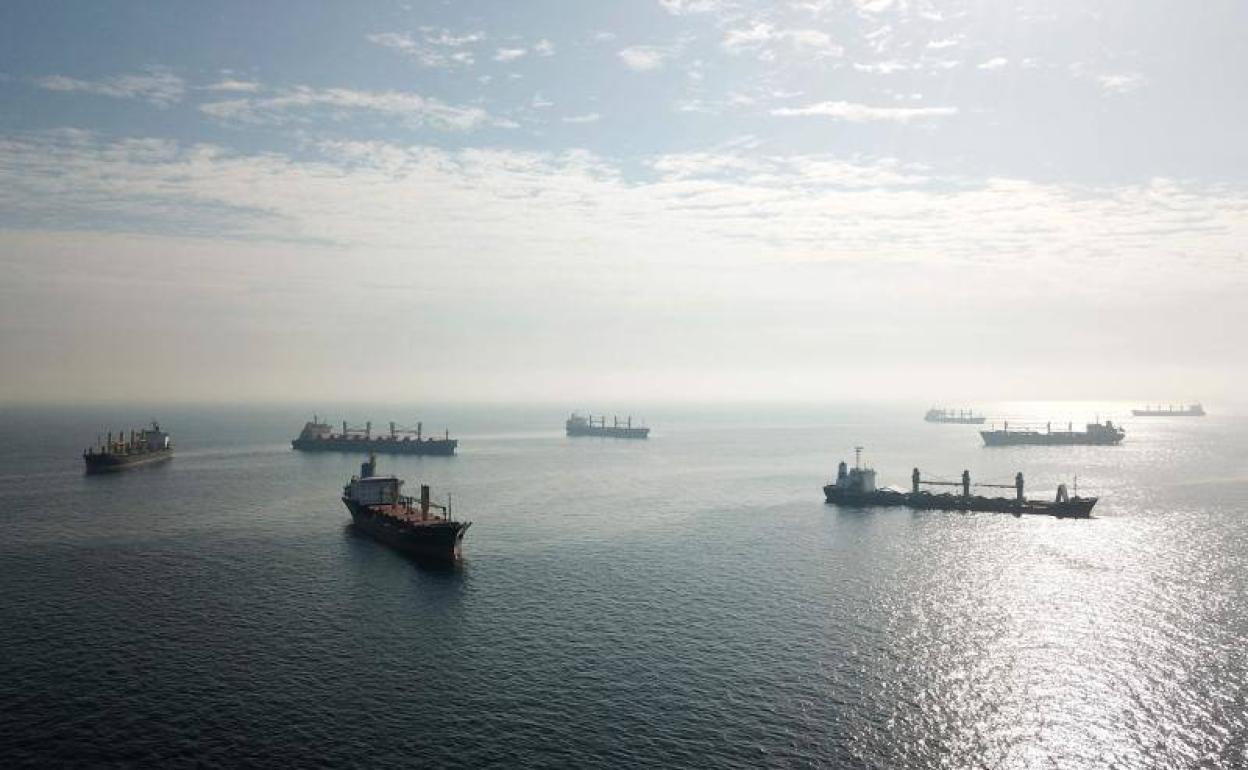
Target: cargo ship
point(318, 436)
point(1095, 434)
point(417, 527)
point(959, 416)
point(1192, 410)
point(856, 487)
point(139, 447)
point(578, 425)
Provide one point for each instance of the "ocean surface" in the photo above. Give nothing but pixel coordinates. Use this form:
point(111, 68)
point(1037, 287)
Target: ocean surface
point(686, 601)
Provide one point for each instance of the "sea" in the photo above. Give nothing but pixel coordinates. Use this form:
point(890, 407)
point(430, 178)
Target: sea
point(685, 601)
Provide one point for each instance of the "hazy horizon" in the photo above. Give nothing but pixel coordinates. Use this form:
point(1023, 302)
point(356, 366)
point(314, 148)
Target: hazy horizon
point(590, 204)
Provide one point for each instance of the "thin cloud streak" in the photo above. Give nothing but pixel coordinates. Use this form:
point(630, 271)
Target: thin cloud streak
point(643, 58)
point(862, 113)
point(293, 105)
point(157, 86)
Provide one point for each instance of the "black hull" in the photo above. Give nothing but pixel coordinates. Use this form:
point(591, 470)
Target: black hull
point(438, 540)
point(111, 463)
point(439, 447)
point(1076, 508)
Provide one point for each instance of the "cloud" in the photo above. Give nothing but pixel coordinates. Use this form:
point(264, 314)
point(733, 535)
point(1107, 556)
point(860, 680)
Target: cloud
point(157, 86)
point(544, 47)
point(879, 39)
point(995, 63)
point(891, 66)
point(435, 48)
point(365, 193)
point(883, 67)
point(813, 7)
point(873, 6)
point(686, 7)
point(1120, 83)
point(590, 117)
point(762, 39)
point(294, 105)
point(444, 37)
point(774, 171)
point(643, 58)
point(749, 248)
point(509, 54)
point(862, 113)
point(943, 43)
point(230, 85)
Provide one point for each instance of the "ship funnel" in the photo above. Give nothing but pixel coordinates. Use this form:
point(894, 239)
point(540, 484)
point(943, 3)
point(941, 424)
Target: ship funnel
point(424, 499)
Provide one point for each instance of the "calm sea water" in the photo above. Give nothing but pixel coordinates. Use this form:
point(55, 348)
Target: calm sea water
point(685, 601)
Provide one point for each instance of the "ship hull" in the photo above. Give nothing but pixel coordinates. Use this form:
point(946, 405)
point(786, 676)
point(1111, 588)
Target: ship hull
point(612, 432)
point(1004, 438)
point(437, 540)
point(1077, 507)
point(958, 420)
point(1182, 413)
point(439, 447)
point(111, 463)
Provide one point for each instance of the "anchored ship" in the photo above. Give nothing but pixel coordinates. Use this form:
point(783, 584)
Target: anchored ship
point(856, 486)
point(578, 425)
point(1095, 434)
point(1193, 410)
point(960, 416)
point(139, 447)
point(318, 436)
point(415, 526)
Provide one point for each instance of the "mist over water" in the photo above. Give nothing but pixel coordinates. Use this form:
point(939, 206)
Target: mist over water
point(686, 600)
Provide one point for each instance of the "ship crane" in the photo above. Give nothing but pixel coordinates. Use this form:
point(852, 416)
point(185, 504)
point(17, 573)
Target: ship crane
point(966, 484)
point(399, 430)
point(856, 487)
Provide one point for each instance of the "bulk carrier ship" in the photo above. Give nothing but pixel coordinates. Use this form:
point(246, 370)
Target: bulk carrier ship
point(1095, 434)
point(959, 416)
point(140, 447)
point(1193, 410)
point(318, 436)
point(578, 425)
point(856, 487)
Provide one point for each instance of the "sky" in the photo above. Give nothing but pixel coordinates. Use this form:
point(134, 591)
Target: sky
point(578, 201)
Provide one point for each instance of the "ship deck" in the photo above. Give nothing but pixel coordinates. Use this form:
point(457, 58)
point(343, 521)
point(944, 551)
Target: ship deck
point(406, 514)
